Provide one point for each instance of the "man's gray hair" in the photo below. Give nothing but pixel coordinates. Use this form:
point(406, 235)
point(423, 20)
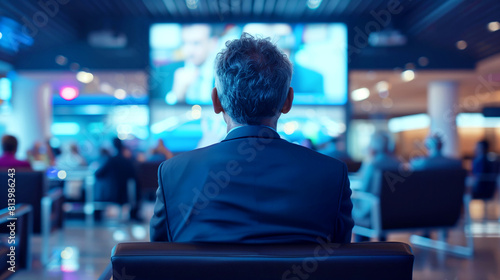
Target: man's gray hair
point(252, 79)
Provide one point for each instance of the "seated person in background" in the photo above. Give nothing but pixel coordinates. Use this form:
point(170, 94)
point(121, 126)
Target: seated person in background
point(8, 159)
point(253, 187)
point(40, 156)
point(481, 164)
point(484, 172)
point(332, 148)
point(380, 157)
point(70, 157)
point(113, 176)
point(435, 158)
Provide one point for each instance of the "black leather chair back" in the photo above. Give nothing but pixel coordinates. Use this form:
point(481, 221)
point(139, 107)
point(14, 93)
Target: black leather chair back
point(183, 261)
point(30, 188)
point(423, 199)
point(485, 187)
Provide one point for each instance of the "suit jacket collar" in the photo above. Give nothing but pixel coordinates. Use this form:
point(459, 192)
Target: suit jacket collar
point(254, 131)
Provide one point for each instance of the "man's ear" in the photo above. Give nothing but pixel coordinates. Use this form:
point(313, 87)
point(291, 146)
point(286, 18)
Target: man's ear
point(216, 101)
point(288, 102)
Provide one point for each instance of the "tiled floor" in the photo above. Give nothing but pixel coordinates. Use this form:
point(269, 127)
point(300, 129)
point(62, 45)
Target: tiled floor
point(87, 251)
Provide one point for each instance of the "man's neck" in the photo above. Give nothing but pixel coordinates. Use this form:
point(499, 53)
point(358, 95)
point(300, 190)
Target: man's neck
point(273, 123)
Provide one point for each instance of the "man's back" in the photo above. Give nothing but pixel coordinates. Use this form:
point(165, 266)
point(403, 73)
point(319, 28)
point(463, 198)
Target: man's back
point(253, 187)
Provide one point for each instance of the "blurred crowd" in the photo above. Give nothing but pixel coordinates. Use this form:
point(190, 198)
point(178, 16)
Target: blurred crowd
point(116, 166)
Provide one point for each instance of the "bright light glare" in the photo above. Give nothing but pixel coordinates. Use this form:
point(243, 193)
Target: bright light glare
point(171, 98)
point(461, 45)
point(382, 86)
point(65, 128)
point(494, 26)
point(313, 4)
point(360, 94)
point(411, 122)
point(69, 93)
point(290, 127)
point(84, 77)
point(196, 112)
point(139, 232)
point(408, 75)
point(119, 235)
point(120, 94)
point(67, 253)
point(192, 4)
point(61, 174)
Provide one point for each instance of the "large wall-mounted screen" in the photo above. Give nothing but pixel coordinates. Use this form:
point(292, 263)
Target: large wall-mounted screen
point(183, 55)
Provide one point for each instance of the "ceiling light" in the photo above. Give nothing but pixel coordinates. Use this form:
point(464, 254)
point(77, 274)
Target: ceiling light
point(192, 4)
point(382, 86)
point(313, 4)
point(494, 26)
point(61, 174)
point(68, 93)
point(84, 77)
point(461, 45)
point(408, 75)
point(120, 94)
point(360, 94)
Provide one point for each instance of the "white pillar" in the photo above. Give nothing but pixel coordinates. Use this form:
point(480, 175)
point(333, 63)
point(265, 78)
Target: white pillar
point(442, 104)
point(31, 116)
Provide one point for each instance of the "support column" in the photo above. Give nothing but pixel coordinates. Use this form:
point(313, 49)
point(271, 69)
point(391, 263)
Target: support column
point(31, 116)
point(442, 104)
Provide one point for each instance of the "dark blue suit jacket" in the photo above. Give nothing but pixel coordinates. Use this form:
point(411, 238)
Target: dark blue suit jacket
point(253, 187)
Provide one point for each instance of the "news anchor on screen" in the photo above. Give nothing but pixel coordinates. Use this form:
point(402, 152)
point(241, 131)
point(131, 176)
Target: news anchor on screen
point(192, 78)
point(253, 187)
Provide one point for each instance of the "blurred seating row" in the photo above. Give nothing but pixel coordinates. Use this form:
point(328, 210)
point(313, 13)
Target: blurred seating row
point(47, 204)
point(425, 201)
point(19, 258)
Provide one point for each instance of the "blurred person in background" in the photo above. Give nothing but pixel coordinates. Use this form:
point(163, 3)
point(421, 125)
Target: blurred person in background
point(380, 157)
point(8, 159)
point(160, 152)
point(481, 164)
point(70, 157)
point(332, 148)
point(112, 179)
point(41, 156)
point(435, 158)
point(484, 172)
